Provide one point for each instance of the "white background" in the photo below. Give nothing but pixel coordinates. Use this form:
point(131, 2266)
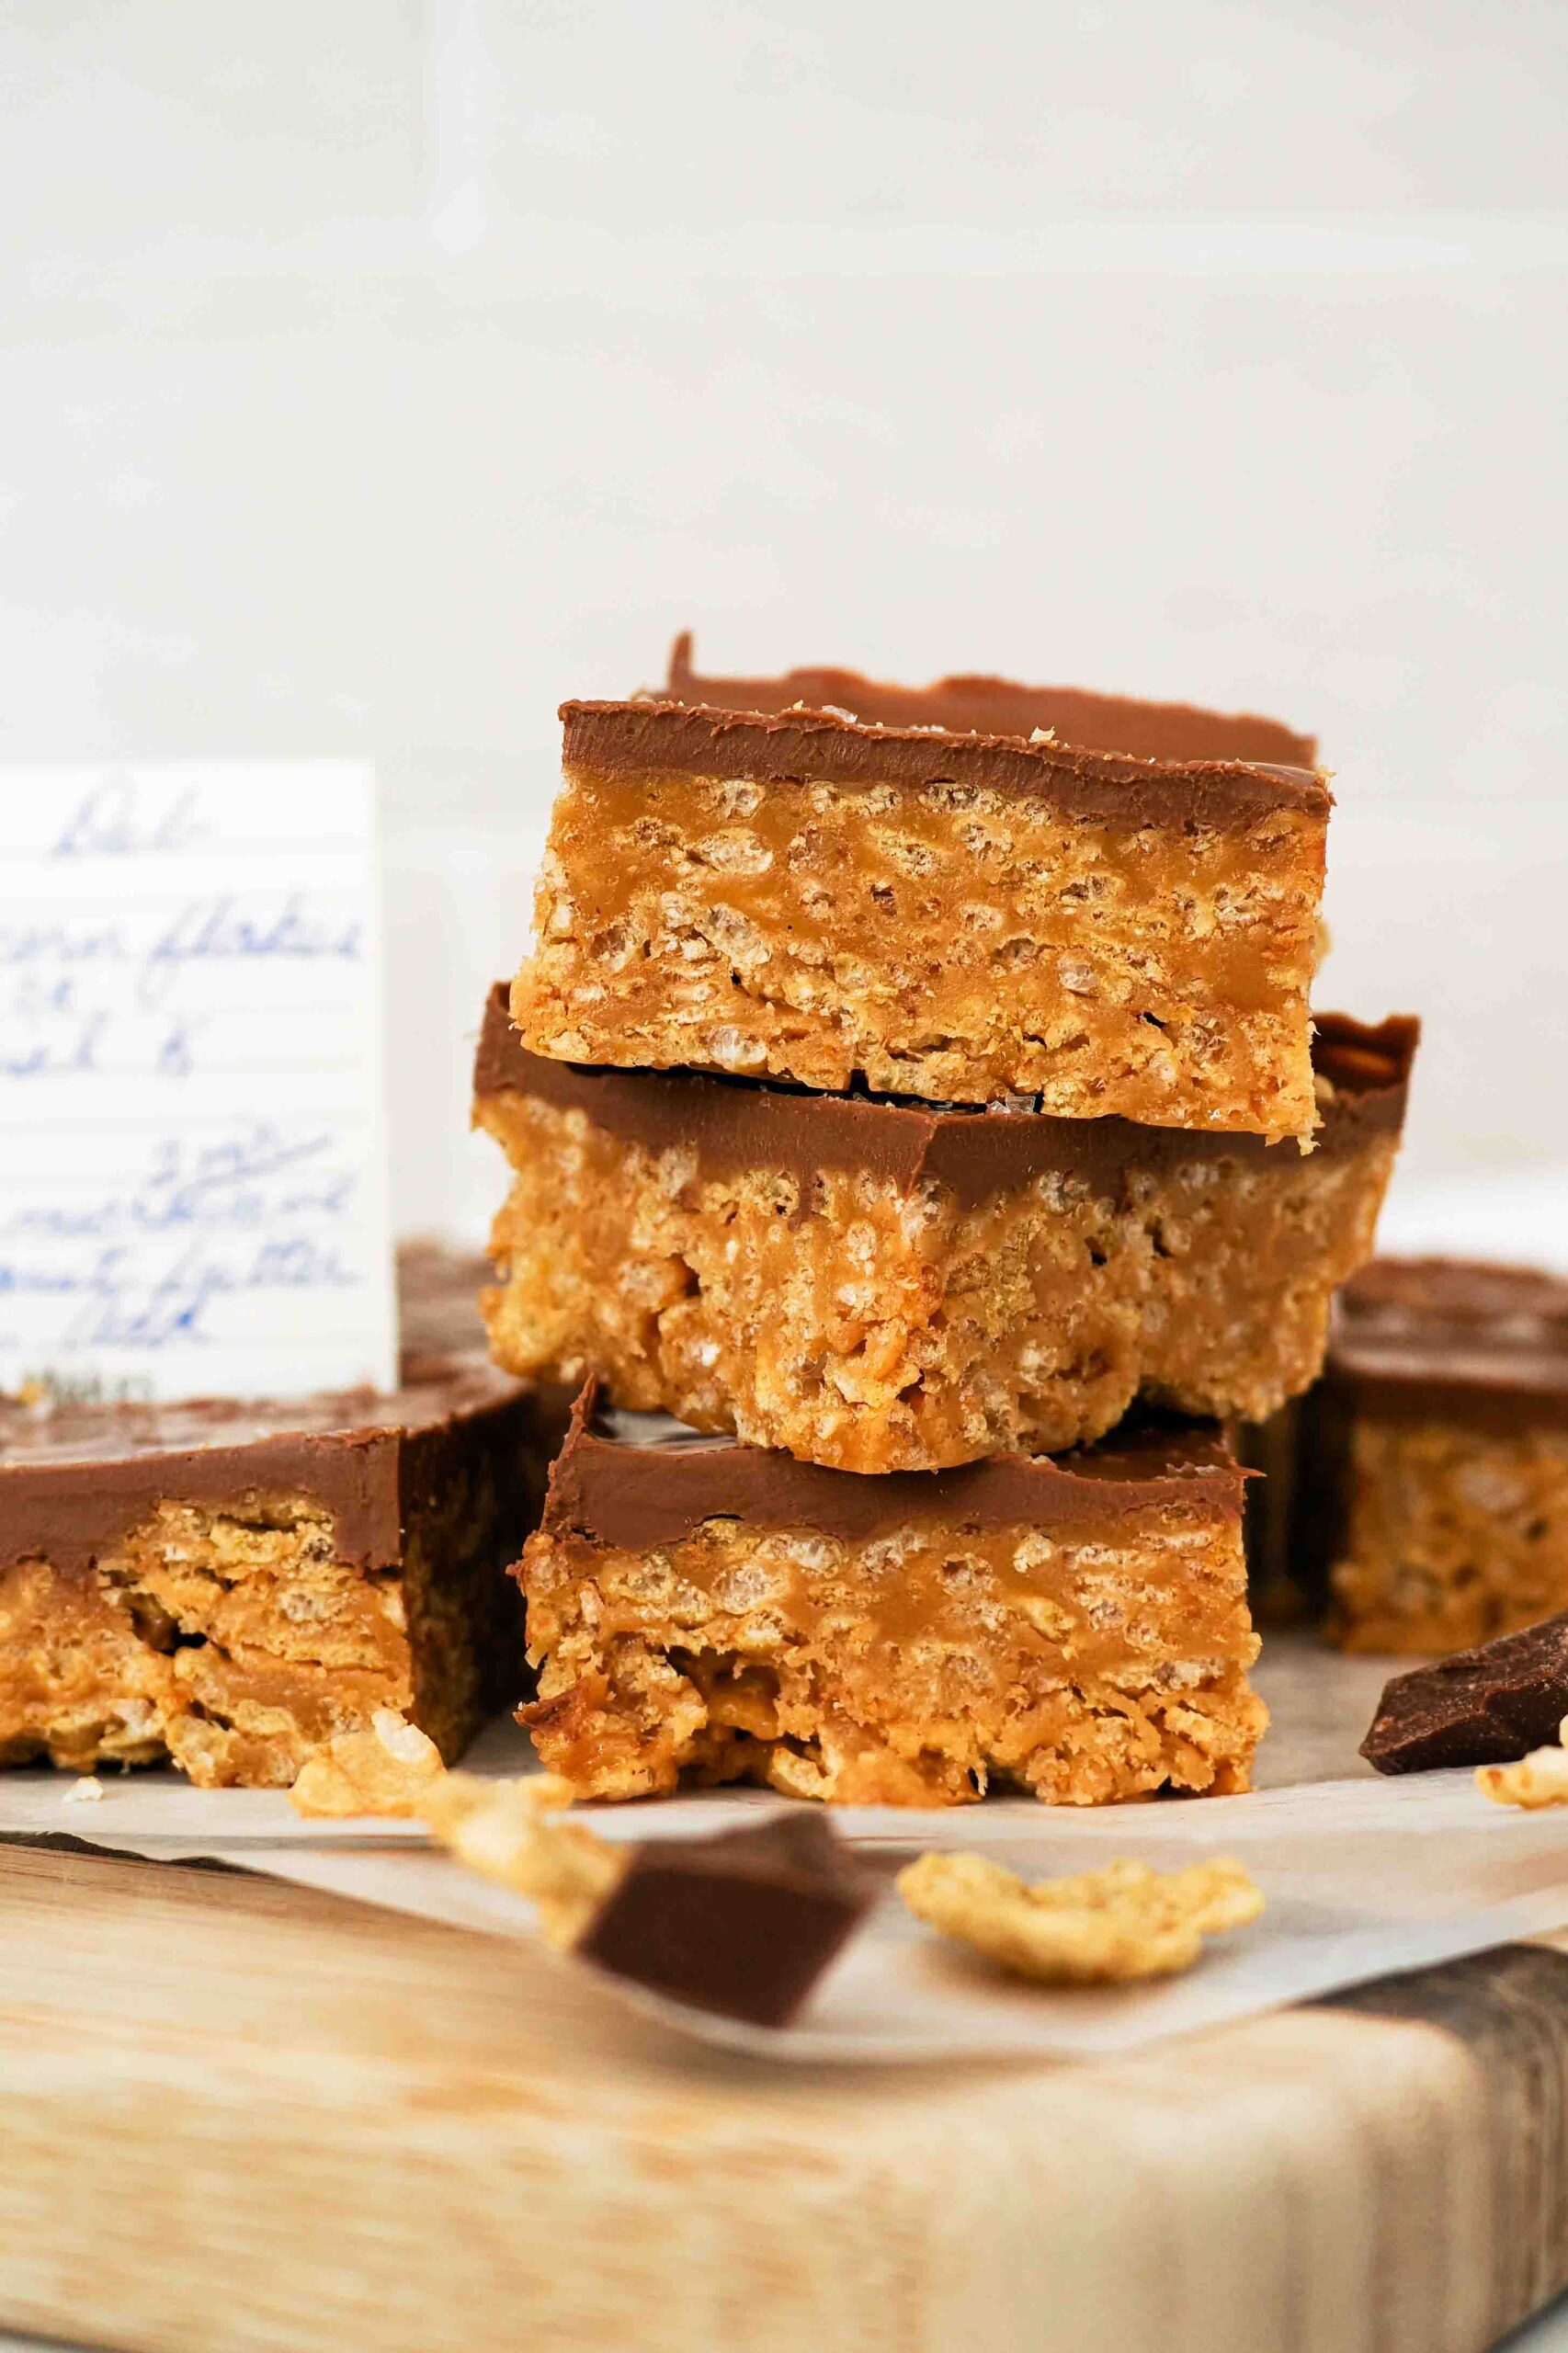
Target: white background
point(376, 373)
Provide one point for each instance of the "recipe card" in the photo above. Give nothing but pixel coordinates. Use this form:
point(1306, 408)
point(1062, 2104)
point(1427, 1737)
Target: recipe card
point(193, 1180)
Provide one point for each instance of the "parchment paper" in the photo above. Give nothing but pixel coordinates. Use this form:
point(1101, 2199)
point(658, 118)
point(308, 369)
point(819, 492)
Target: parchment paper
point(1363, 1877)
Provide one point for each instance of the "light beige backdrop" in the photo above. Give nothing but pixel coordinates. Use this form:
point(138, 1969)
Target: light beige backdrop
point(370, 376)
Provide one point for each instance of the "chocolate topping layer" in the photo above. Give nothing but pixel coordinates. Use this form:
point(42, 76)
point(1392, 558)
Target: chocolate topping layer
point(636, 1480)
point(1175, 732)
point(805, 746)
point(74, 1478)
point(1452, 1339)
point(738, 1123)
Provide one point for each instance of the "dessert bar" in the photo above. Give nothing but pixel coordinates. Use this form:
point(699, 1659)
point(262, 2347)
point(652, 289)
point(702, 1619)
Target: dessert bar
point(954, 915)
point(1440, 1431)
point(1074, 1628)
point(228, 1586)
point(878, 1286)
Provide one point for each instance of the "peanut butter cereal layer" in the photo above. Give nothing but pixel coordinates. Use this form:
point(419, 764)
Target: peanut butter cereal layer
point(1441, 1431)
point(954, 915)
point(706, 1611)
point(231, 1587)
point(879, 1287)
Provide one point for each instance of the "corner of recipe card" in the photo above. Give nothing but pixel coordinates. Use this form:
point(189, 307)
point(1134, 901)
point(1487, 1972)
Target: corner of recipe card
point(193, 1164)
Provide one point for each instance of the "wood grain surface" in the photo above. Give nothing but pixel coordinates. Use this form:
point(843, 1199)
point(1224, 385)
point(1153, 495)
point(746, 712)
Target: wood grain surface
point(236, 2114)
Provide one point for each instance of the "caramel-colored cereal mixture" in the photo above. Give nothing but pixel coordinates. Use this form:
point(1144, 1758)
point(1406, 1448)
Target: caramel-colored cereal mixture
point(1453, 1535)
point(1539, 1779)
point(918, 1666)
point(507, 1830)
point(234, 1643)
point(1104, 1927)
point(894, 1331)
point(948, 940)
point(386, 1770)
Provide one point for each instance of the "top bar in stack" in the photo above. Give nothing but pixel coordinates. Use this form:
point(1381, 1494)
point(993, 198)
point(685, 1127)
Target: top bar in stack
point(949, 911)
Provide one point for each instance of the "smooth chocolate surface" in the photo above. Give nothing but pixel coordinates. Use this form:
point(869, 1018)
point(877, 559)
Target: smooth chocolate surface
point(988, 706)
point(733, 1124)
point(743, 1922)
point(75, 1477)
point(635, 1481)
point(1485, 1706)
point(805, 746)
point(1450, 1339)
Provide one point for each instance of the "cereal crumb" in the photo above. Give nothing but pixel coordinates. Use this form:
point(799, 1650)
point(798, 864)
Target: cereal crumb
point(504, 1830)
point(386, 1771)
point(1540, 1778)
point(87, 1790)
point(1103, 1927)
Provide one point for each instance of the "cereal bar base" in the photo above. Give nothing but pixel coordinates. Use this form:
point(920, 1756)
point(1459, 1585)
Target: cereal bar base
point(947, 940)
point(235, 1645)
point(1452, 1535)
point(893, 1331)
point(919, 1667)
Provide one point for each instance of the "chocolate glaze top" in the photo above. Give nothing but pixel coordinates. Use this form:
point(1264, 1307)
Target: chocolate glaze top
point(1433, 1339)
point(652, 738)
point(75, 1477)
point(637, 1480)
point(1144, 731)
point(733, 1124)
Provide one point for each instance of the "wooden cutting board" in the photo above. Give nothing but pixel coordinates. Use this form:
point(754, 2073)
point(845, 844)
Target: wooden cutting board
point(238, 2114)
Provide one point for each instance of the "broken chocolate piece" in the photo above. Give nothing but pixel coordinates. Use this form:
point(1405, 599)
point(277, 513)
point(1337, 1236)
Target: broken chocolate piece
point(744, 1923)
point(1486, 1706)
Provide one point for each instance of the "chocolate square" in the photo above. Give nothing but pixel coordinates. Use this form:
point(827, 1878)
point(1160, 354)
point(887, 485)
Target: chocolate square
point(743, 1922)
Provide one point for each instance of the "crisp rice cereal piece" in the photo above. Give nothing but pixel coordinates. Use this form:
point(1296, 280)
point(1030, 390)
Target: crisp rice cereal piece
point(87, 1790)
point(1103, 1927)
point(503, 1829)
point(1539, 1779)
point(386, 1771)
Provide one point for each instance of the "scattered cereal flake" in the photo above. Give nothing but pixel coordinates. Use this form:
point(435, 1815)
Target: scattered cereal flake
point(1101, 1927)
point(1540, 1778)
point(87, 1790)
point(503, 1829)
point(386, 1771)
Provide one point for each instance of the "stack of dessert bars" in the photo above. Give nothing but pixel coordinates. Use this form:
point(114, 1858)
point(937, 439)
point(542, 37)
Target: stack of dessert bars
point(920, 1150)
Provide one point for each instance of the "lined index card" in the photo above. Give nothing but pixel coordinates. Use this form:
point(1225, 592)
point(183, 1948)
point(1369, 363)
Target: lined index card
point(193, 1179)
